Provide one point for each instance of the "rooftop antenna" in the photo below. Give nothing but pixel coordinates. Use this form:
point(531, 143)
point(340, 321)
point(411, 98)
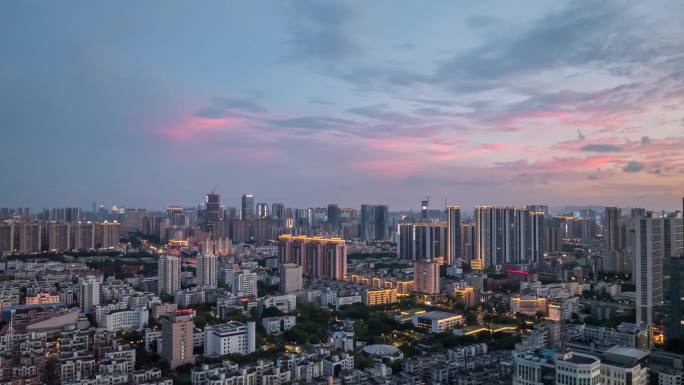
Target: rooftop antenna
point(214, 189)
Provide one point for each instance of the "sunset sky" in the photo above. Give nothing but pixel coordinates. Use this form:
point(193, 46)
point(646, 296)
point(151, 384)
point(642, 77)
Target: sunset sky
point(149, 103)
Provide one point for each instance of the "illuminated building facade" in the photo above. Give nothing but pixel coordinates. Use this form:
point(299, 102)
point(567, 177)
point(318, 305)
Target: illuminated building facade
point(379, 296)
point(465, 295)
point(320, 258)
point(437, 321)
point(528, 305)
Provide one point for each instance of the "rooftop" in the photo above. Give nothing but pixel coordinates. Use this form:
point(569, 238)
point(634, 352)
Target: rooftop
point(437, 315)
point(579, 359)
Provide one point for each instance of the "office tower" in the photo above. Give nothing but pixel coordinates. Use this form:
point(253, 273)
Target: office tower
point(426, 276)
point(374, 221)
point(278, 211)
point(674, 319)
point(59, 236)
point(168, 274)
point(454, 244)
point(245, 284)
point(382, 223)
point(290, 278)
point(406, 240)
point(262, 211)
point(424, 210)
point(611, 228)
point(177, 337)
point(247, 208)
point(648, 259)
point(89, 293)
point(468, 242)
point(674, 322)
point(176, 216)
point(333, 214)
point(212, 211)
point(207, 270)
point(673, 239)
point(320, 258)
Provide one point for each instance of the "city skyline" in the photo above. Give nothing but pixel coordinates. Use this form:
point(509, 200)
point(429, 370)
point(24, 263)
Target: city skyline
point(563, 102)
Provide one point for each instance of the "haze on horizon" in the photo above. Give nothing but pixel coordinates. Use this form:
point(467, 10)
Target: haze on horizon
point(144, 104)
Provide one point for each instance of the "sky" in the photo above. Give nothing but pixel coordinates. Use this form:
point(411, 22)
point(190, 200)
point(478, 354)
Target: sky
point(152, 103)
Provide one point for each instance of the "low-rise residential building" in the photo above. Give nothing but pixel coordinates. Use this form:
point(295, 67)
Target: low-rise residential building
point(373, 297)
point(277, 325)
point(437, 321)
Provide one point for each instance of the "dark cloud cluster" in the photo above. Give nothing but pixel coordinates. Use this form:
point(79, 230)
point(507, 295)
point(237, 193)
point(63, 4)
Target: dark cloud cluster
point(633, 166)
point(601, 148)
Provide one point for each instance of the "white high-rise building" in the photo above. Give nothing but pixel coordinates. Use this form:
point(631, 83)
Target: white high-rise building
point(89, 294)
point(168, 275)
point(230, 338)
point(648, 267)
point(245, 284)
point(290, 278)
point(207, 270)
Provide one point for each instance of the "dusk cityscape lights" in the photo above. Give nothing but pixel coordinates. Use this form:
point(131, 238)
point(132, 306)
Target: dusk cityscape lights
point(342, 193)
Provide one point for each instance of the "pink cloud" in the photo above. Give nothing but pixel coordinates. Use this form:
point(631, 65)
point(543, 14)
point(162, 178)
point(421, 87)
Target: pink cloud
point(192, 126)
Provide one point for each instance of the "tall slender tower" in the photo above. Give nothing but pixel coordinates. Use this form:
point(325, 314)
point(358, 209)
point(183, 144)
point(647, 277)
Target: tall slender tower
point(177, 336)
point(213, 210)
point(454, 240)
point(537, 236)
point(611, 228)
point(247, 210)
point(89, 294)
point(207, 268)
point(648, 259)
point(168, 271)
point(483, 237)
point(424, 208)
